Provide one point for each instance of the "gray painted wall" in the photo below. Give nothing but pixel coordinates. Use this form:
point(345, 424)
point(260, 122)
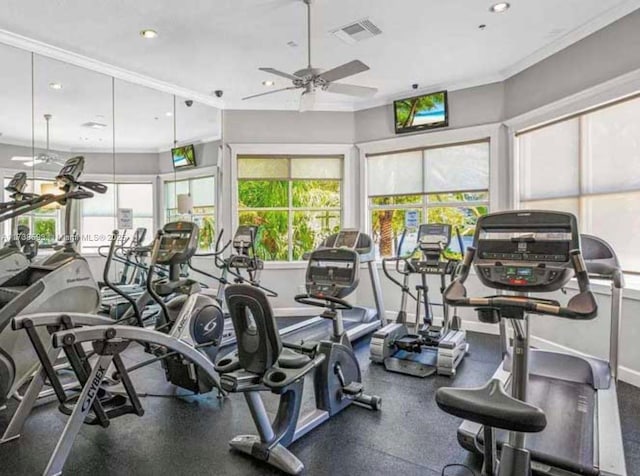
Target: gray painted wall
point(289, 127)
point(606, 54)
point(206, 156)
point(467, 107)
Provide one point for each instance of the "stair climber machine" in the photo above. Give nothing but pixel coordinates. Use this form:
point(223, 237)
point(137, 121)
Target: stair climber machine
point(358, 321)
point(547, 412)
point(21, 249)
point(185, 341)
point(61, 282)
point(264, 363)
point(429, 348)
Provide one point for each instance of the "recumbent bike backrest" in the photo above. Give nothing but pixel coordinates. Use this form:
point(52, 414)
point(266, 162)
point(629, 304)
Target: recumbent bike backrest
point(259, 343)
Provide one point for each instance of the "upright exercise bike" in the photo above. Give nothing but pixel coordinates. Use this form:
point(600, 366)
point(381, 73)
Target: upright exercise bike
point(264, 363)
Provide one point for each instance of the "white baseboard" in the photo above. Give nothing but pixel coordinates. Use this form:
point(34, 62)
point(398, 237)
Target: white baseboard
point(625, 374)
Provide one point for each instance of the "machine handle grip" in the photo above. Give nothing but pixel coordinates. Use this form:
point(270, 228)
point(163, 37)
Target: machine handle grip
point(94, 186)
point(320, 300)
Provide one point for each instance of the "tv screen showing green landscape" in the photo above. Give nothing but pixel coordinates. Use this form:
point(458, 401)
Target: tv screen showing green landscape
point(421, 112)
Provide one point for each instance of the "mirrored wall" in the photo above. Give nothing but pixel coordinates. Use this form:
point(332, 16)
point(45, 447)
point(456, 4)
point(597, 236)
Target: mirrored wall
point(51, 111)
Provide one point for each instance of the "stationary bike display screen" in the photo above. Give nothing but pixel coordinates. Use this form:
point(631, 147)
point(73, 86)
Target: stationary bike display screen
point(18, 182)
point(245, 236)
point(347, 239)
point(518, 275)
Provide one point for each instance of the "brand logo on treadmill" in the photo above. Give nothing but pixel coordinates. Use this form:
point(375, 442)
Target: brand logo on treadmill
point(77, 280)
point(93, 389)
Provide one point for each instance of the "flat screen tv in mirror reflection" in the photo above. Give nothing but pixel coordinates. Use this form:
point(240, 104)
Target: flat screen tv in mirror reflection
point(183, 157)
point(418, 113)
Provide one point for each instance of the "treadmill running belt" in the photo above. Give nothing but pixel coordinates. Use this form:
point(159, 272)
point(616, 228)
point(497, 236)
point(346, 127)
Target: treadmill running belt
point(567, 441)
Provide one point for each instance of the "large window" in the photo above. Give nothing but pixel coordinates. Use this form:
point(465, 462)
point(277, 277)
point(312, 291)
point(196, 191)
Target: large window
point(99, 212)
point(45, 224)
point(442, 185)
point(296, 201)
point(203, 193)
point(588, 165)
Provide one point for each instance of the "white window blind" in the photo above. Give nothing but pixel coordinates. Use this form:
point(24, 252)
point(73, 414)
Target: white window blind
point(588, 165)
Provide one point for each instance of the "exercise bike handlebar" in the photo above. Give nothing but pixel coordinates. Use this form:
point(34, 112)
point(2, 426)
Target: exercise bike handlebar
point(321, 300)
point(581, 306)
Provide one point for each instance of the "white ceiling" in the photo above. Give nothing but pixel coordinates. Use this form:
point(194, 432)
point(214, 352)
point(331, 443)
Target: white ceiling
point(206, 45)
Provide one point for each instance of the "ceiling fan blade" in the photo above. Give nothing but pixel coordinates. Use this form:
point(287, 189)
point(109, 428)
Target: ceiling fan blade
point(279, 73)
point(343, 71)
point(350, 90)
point(270, 92)
point(307, 101)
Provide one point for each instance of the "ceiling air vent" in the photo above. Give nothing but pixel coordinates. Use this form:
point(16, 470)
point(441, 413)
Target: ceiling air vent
point(357, 31)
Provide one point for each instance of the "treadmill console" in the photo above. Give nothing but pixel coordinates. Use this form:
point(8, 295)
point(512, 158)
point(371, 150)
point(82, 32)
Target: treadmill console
point(347, 239)
point(18, 183)
point(178, 243)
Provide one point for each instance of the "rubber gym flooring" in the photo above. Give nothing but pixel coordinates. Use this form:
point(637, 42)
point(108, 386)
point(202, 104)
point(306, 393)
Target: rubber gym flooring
point(188, 436)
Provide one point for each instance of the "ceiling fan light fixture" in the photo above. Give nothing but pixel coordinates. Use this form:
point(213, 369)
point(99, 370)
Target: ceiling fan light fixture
point(268, 83)
point(500, 7)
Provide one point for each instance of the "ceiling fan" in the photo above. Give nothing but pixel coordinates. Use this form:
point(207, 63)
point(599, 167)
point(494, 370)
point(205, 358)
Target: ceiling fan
point(46, 158)
point(310, 79)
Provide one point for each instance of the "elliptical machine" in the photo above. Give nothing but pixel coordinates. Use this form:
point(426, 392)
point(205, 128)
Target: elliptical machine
point(422, 349)
point(263, 363)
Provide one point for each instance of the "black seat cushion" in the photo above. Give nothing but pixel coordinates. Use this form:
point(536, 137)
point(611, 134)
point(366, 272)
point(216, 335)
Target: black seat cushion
point(490, 405)
point(290, 359)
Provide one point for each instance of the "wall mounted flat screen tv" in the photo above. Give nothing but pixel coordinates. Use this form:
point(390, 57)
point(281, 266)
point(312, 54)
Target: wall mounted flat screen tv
point(418, 113)
point(183, 157)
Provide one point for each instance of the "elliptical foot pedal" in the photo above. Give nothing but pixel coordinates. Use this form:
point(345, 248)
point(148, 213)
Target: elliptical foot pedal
point(408, 367)
point(353, 389)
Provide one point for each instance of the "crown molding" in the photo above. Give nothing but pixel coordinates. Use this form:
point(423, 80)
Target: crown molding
point(60, 54)
point(597, 23)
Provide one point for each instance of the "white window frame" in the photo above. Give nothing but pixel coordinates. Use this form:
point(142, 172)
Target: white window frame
point(195, 173)
point(43, 175)
point(348, 200)
point(616, 89)
point(109, 179)
point(451, 137)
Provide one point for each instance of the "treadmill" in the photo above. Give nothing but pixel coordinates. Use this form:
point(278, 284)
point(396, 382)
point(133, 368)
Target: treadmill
point(358, 321)
point(531, 252)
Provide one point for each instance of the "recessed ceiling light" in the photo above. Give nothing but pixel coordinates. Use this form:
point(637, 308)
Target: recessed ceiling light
point(149, 34)
point(55, 85)
point(500, 7)
point(268, 83)
point(168, 114)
